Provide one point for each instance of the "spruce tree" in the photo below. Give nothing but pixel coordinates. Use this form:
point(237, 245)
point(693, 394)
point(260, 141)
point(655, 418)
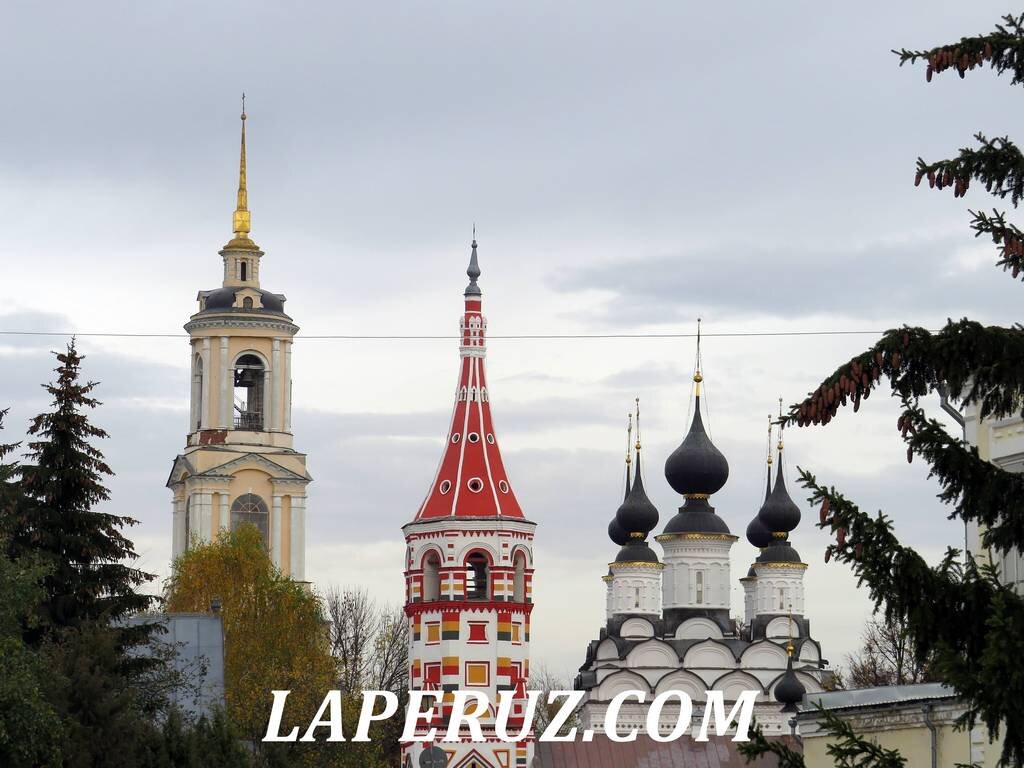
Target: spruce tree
point(90, 576)
point(959, 614)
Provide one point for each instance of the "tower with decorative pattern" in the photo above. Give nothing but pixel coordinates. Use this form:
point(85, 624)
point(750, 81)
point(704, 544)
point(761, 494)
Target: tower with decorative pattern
point(469, 569)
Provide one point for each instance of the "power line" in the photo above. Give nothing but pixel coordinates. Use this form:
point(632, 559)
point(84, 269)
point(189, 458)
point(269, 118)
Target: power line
point(426, 337)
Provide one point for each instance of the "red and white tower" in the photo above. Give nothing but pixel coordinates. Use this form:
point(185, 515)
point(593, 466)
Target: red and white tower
point(469, 568)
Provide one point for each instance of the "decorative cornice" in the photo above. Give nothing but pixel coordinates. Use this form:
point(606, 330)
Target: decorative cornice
point(798, 566)
point(705, 536)
point(637, 564)
point(201, 321)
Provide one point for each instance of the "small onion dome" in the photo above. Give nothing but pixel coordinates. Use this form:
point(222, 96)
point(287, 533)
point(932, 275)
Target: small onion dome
point(636, 551)
point(637, 514)
point(757, 534)
point(697, 516)
point(779, 552)
point(696, 466)
point(779, 514)
point(789, 690)
point(616, 533)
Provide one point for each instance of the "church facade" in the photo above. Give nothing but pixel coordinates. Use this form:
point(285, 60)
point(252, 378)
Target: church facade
point(668, 623)
point(469, 571)
point(239, 463)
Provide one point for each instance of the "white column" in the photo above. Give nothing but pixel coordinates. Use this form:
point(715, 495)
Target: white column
point(225, 511)
point(288, 385)
point(298, 553)
point(178, 527)
point(192, 518)
point(275, 530)
point(275, 386)
point(193, 390)
point(206, 515)
point(205, 391)
point(226, 386)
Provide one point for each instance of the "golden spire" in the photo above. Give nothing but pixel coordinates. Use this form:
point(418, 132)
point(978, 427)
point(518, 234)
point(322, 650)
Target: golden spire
point(638, 424)
point(241, 223)
point(769, 440)
point(629, 442)
point(780, 428)
point(697, 376)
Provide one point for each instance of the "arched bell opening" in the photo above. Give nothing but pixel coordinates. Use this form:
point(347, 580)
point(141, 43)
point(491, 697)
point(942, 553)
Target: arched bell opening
point(432, 576)
point(519, 578)
point(478, 585)
point(250, 379)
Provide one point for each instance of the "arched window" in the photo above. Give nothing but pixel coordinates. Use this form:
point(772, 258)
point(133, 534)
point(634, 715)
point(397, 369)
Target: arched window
point(477, 587)
point(250, 508)
point(249, 378)
point(519, 579)
point(699, 582)
point(432, 576)
point(247, 302)
point(243, 271)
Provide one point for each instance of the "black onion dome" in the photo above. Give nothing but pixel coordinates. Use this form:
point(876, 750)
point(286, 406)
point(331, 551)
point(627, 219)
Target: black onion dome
point(757, 534)
point(779, 514)
point(779, 552)
point(789, 690)
point(697, 516)
point(224, 298)
point(636, 551)
point(696, 466)
point(616, 534)
point(637, 514)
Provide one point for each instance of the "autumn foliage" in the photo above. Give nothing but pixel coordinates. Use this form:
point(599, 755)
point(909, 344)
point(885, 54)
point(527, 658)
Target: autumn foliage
point(275, 636)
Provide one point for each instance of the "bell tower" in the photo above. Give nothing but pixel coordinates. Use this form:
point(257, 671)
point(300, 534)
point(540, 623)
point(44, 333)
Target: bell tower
point(469, 571)
point(239, 464)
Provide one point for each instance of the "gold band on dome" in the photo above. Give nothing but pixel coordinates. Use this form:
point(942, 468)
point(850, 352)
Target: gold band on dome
point(782, 565)
point(606, 579)
point(637, 535)
point(636, 564)
point(696, 495)
point(779, 535)
point(705, 536)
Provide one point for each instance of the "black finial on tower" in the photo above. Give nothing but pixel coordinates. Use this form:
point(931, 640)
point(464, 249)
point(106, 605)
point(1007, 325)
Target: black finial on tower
point(473, 270)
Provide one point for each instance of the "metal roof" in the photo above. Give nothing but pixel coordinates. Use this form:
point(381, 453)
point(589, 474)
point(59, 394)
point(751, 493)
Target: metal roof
point(882, 695)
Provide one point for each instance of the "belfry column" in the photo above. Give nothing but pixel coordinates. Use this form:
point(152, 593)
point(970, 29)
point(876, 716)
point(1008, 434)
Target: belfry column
point(298, 538)
point(275, 531)
point(205, 393)
point(225, 419)
point(288, 385)
point(275, 386)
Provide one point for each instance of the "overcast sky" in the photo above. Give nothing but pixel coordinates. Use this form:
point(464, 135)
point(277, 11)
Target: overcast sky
point(629, 167)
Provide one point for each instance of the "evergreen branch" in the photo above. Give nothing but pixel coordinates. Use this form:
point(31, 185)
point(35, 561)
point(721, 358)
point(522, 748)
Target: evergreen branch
point(759, 746)
point(1003, 50)
point(997, 163)
point(1004, 234)
point(847, 749)
point(980, 660)
point(974, 363)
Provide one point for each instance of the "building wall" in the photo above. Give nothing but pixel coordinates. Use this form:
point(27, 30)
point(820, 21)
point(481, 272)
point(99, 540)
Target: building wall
point(904, 728)
point(1000, 441)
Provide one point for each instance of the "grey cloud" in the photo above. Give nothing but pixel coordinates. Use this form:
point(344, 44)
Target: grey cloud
point(915, 280)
